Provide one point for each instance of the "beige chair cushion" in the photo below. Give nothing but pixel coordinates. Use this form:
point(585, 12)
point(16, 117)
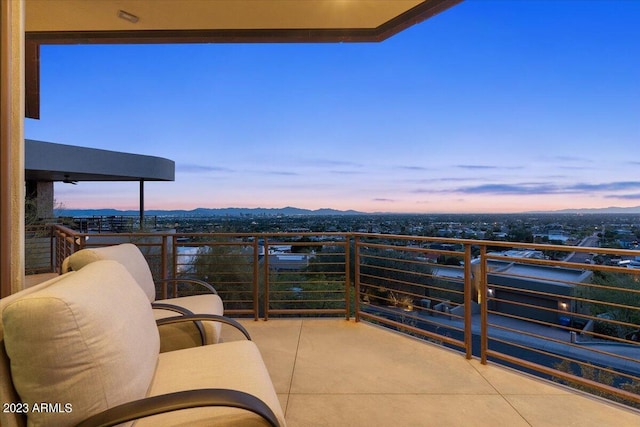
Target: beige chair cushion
point(126, 254)
point(235, 365)
point(8, 393)
point(185, 335)
point(173, 337)
point(89, 340)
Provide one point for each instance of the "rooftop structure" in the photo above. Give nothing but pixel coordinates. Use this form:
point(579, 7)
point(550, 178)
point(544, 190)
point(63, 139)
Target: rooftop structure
point(519, 253)
point(46, 163)
point(512, 285)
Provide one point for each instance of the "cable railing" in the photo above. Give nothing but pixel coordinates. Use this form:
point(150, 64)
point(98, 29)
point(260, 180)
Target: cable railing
point(398, 286)
point(572, 322)
point(257, 275)
point(37, 248)
point(306, 274)
point(578, 324)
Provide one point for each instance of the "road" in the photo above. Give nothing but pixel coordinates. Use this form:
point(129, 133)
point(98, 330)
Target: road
point(590, 242)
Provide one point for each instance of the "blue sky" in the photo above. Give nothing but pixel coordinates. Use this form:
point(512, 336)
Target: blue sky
point(491, 106)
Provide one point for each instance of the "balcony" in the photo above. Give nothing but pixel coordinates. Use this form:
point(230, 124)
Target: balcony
point(416, 340)
point(338, 372)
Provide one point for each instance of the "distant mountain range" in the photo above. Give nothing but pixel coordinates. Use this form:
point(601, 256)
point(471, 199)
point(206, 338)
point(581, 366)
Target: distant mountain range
point(292, 211)
point(609, 210)
point(205, 212)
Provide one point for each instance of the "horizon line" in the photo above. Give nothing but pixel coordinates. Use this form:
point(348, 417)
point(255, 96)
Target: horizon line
point(607, 210)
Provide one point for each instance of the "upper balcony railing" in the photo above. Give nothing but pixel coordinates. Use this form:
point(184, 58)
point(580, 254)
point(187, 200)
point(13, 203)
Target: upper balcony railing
point(112, 223)
point(569, 314)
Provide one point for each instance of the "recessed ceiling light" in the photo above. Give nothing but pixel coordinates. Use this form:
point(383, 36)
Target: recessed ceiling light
point(128, 16)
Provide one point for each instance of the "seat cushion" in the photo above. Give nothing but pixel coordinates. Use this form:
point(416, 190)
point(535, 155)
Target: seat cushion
point(89, 340)
point(185, 335)
point(234, 365)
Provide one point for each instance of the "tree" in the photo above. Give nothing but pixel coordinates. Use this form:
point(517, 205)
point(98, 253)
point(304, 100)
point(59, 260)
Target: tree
point(449, 260)
point(605, 376)
point(230, 270)
point(388, 276)
point(520, 234)
point(615, 297)
point(296, 249)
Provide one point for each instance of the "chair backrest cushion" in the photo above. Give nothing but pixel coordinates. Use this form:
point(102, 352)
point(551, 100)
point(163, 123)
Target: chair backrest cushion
point(8, 392)
point(89, 340)
point(126, 254)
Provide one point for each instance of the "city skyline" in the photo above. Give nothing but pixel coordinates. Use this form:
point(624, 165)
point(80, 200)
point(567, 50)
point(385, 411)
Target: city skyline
point(490, 106)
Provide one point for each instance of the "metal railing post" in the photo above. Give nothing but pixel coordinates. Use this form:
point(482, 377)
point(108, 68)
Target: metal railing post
point(266, 278)
point(347, 276)
point(256, 281)
point(356, 278)
point(163, 265)
point(52, 265)
point(484, 331)
point(79, 243)
point(468, 332)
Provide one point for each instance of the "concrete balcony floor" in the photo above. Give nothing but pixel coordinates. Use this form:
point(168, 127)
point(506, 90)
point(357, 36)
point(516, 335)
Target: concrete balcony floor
point(334, 372)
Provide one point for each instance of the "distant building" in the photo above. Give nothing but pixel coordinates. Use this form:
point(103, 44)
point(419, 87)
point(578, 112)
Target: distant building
point(630, 263)
point(627, 242)
point(520, 253)
point(288, 262)
point(538, 292)
point(558, 235)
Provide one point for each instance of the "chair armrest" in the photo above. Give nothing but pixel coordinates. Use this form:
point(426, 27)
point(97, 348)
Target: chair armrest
point(200, 317)
point(199, 282)
point(170, 307)
point(183, 311)
point(181, 400)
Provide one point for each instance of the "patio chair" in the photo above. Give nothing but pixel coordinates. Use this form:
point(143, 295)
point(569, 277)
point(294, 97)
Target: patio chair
point(173, 335)
point(83, 349)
